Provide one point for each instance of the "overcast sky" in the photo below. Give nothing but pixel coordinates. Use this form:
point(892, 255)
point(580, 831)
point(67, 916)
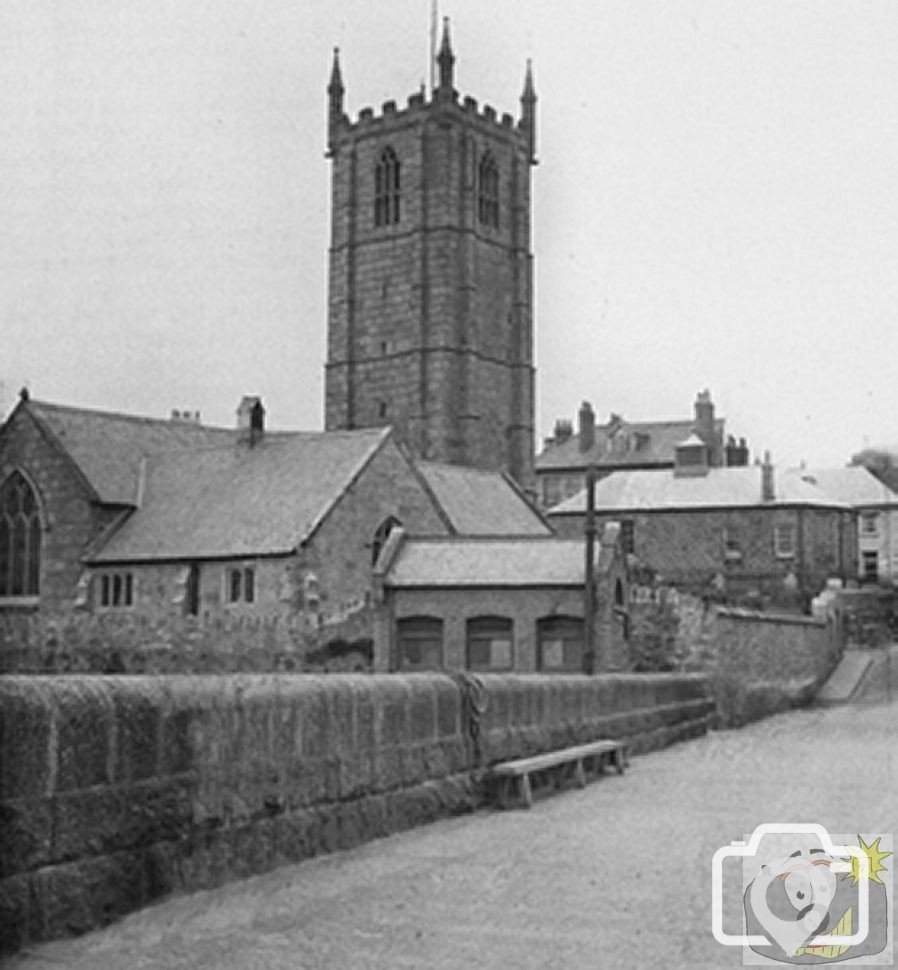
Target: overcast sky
point(715, 202)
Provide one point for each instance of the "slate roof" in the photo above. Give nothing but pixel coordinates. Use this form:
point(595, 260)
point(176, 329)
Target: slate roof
point(647, 443)
point(481, 503)
point(108, 447)
point(488, 562)
point(236, 501)
point(736, 487)
point(854, 485)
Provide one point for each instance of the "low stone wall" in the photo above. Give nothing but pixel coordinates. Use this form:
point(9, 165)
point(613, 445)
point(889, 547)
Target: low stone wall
point(762, 663)
point(117, 790)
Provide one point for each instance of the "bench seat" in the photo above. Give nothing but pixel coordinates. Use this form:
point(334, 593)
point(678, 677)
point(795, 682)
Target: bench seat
point(579, 757)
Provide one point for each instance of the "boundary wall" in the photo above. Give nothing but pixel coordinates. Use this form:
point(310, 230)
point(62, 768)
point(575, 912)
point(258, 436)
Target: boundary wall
point(116, 790)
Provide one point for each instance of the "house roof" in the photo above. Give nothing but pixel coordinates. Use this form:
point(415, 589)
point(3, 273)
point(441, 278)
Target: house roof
point(108, 447)
point(736, 487)
point(239, 500)
point(854, 485)
point(481, 503)
point(488, 562)
point(622, 443)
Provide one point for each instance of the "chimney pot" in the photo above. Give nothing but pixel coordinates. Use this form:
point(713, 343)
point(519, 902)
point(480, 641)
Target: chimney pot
point(250, 420)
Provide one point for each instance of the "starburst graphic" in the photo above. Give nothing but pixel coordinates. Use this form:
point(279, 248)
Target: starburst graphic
point(874, 857)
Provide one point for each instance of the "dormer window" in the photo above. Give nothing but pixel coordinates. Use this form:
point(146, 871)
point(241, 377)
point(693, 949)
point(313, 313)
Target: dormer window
point(488, 191)
point(386, 189)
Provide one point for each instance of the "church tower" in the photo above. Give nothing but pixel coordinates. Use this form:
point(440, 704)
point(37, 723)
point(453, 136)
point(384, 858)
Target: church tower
point(430, 310)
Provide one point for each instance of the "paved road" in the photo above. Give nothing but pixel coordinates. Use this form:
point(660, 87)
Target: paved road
point(616, 875)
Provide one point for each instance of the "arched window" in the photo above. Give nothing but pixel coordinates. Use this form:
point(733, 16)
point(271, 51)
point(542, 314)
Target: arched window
point(381, 534)
point(20, 538)
point(419, 643)
point(386, 189)
point(490, 643)
point(560, 643)
point(488, 191)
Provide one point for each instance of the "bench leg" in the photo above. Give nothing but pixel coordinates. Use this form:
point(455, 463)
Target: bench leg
point(526, 791)
point(580, 774)
point(619, 758)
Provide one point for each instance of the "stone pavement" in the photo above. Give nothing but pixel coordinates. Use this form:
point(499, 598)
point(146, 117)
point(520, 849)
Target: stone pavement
point(613, 875)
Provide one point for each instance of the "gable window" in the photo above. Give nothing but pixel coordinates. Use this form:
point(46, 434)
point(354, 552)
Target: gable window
point(490, 643)
point(419, 641)
point(560, 643)
point(381, 534)
point(116, 590)
point(20, 538)
point(488, 191)
point(784, 540)
point(386, 189)
point(241, 584)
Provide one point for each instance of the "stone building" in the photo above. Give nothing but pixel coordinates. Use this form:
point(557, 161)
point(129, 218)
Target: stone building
point(621, 445)
point(877, 509)
point(729, 531)
point(430, 309)
point(500, 604)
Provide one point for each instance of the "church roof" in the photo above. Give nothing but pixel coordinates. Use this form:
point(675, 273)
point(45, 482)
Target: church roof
point(107, 447)
point(623, 443)
point(236, 500)
point(656, 490)
point(481, 503)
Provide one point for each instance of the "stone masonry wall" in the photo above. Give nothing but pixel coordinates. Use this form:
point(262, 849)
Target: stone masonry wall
point(117, 790)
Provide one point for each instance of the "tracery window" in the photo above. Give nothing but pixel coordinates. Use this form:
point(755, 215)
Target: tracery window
point(20, 538)
point(488, 191)
point(386, 189)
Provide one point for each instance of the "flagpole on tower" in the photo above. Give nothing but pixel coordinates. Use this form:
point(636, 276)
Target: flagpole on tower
point(433, 44)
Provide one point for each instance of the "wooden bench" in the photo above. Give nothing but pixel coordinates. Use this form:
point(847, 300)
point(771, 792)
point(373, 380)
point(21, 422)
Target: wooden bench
point(593, 756)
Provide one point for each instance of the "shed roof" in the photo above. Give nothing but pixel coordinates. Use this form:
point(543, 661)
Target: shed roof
point(488, 562)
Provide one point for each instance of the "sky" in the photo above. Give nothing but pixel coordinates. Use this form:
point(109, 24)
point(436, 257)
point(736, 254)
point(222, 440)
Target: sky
point(714, 205)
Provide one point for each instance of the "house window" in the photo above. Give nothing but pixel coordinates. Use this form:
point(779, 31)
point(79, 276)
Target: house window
point(732, 546)
point(386, 189)
point(488, 191)
point(490, 642)
point(420, 643)
point(241, 584)
point(560, 641)
point(784, 540)
point(381, 534)
point(870, 566)
point(20, 538)
point(870, 523)
point(628, 536)
point(116, 590)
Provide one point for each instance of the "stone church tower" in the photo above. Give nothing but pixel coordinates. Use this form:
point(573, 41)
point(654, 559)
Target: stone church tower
point(430, 313)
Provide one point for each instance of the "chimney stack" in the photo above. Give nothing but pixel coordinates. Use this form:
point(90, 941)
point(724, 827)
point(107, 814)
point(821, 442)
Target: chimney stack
point(563, 430)
point(587, 427)
point(250, 420)
point(768, 493)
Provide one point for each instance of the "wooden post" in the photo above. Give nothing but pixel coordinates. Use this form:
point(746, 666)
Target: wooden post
point(589, 591)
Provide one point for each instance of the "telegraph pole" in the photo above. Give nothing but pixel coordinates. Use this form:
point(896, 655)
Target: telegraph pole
point(589, 591)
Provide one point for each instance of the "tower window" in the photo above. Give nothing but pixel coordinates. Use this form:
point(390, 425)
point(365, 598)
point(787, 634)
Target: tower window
point(20, 538)
point(386, 189)
point(488, 191)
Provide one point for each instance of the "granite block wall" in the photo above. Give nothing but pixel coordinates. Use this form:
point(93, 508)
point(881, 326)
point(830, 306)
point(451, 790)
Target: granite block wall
point(117, 790)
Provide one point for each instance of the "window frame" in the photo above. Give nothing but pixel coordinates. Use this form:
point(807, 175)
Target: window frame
point(114, 590)
point(415, 630)
point(785, 550)
point(240, 586)
point(387, 188)
point(478, 632)
point(564, 623)
point(22, 531)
